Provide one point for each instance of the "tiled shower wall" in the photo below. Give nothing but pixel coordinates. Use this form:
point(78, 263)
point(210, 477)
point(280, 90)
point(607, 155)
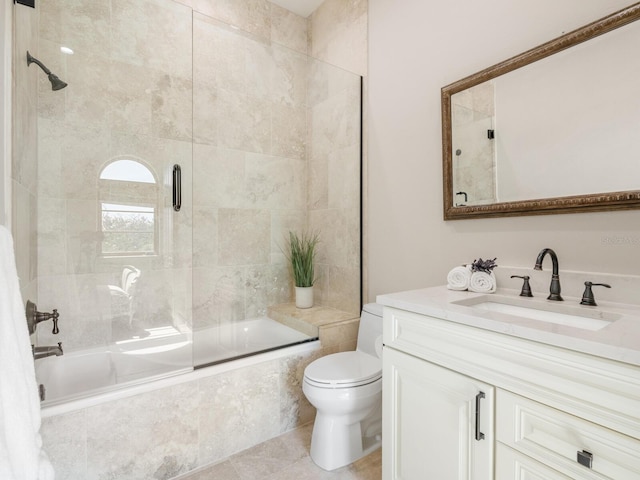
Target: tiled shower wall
point(249, 158)
point(338, 36)
point(24, 155)
point(273, 150)
point(166, 432)
point(129, 97)
point(268, 119)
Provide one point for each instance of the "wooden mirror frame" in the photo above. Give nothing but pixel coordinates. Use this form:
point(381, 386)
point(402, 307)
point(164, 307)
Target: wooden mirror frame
point(624, 200)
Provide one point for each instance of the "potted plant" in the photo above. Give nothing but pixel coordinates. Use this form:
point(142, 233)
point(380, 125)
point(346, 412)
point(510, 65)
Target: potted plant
point(302, 253)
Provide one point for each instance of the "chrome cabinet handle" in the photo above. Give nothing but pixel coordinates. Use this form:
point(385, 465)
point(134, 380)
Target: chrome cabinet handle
point(177, 187)
point(479, 434)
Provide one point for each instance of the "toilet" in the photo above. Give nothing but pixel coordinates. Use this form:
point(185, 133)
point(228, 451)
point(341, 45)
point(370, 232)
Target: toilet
point(346, 389)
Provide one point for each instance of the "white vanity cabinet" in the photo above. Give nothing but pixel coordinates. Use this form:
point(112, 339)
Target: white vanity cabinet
point(433, 429)
point(548, 413)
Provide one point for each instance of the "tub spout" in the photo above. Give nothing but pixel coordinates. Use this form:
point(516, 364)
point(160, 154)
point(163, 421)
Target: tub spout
point(554, 289)
point(42, 352)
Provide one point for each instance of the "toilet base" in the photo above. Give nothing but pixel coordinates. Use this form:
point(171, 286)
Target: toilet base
point(335, 444)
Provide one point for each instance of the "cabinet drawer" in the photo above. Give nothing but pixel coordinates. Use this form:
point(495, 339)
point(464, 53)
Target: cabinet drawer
point(555, 438)
point(512, 465)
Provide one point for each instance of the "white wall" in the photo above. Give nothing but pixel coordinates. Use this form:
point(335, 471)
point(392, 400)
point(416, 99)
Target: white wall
point(578, 120)
point(415, 48)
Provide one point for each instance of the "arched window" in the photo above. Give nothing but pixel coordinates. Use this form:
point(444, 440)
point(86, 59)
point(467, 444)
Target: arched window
point(127, 171)
point(128, 209)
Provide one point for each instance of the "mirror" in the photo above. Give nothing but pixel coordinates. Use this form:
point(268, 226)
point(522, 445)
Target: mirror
point(552, 130)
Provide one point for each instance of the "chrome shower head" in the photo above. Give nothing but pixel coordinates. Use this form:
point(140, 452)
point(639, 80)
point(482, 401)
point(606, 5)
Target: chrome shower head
point(56, 83)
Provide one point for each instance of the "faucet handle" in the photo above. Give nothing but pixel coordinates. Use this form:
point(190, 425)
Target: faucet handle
point(34, 317)
point(587, 296)
point(55, 315)
point(526, 288)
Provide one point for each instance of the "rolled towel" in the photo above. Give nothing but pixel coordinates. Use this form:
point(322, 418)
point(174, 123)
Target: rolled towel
point(482, 282)
point(459, 277)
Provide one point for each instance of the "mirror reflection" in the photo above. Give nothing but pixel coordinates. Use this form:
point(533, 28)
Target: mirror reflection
point(473, 139)
point(533, 133)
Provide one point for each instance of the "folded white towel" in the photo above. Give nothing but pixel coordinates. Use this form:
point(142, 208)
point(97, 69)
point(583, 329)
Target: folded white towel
point(482, 282)
point(459, 277)
point(21, 454)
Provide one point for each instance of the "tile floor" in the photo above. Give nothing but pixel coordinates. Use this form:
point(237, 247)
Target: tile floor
point(285, 458)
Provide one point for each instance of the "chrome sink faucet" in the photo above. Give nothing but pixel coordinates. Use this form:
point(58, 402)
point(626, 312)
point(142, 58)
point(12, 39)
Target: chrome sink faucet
point(42, 352)
point(554, 289)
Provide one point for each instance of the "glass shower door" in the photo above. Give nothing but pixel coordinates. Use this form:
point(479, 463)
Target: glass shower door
point(276, 149)
point(114, 254)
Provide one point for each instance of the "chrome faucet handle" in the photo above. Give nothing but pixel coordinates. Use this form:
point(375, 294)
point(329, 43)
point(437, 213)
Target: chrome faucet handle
point(587, 296)
point(526, 288)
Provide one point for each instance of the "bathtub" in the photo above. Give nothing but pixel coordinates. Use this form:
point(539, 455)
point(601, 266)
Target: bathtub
point(239, 339)
point(89, 377)
point(162, 427)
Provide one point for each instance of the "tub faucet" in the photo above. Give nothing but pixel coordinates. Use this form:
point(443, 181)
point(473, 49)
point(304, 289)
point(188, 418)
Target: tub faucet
point(554, 289)
point(41, 352)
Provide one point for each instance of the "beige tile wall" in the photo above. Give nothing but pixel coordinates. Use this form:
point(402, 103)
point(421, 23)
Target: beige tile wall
point(249, 156)
point(166, 432)
point(272, 151)
point(269, 125)
point(24, 166)
point(337, 36)
point(130, 96)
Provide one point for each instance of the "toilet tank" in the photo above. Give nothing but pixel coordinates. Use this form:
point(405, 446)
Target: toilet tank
point(370, 330)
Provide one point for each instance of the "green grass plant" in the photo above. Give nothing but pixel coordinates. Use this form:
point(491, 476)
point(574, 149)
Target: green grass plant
point(302, 253)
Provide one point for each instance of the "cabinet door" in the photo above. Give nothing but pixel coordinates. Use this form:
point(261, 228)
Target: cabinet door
point(429, 422)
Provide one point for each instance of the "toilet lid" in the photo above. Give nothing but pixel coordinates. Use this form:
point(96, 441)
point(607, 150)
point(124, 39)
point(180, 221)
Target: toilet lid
point(344, 369)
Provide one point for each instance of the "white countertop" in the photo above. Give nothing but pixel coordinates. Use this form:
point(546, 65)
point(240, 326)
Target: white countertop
point(620, 340)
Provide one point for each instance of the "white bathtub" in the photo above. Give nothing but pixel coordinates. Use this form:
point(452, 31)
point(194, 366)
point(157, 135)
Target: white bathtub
point(89, 377)
point(239, 339)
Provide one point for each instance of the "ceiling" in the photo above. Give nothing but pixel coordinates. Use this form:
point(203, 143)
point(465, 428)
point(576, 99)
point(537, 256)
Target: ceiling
point(303, 8)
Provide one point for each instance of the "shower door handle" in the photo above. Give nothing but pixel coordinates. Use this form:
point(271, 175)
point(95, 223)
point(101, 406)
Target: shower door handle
point(177, 187)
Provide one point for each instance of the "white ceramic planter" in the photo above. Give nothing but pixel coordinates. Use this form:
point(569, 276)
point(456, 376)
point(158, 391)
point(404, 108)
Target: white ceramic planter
point(304, 297)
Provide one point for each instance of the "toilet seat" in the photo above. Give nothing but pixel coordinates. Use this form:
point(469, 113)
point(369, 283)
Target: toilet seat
point(343, 370)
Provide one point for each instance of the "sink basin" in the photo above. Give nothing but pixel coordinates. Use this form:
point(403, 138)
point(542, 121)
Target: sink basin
point(559, 314)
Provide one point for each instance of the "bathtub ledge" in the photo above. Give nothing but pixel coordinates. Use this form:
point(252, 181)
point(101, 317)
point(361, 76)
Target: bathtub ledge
point(336, 329)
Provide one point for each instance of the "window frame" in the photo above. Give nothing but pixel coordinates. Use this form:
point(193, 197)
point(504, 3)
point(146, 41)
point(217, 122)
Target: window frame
point(119, 192)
